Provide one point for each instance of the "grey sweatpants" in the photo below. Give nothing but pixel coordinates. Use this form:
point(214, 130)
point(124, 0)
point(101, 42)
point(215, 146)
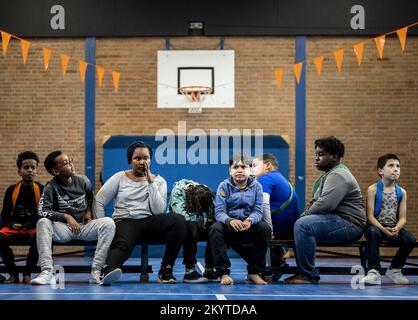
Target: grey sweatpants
point(102, 230)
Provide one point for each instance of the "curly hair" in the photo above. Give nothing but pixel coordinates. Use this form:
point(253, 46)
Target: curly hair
point(332, 145)
point(49, 161)
point(199, 199)
point(24, 156)
point(135, 145)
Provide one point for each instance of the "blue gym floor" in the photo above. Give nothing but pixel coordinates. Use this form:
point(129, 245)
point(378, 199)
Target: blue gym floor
point(331, 287)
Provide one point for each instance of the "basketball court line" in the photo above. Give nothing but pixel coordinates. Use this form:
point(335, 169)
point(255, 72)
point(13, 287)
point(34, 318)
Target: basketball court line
point(200, 266)
point(219, 296)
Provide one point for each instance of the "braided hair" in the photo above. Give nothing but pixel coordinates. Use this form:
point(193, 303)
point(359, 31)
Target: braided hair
point(199, 199)
point(134, 145)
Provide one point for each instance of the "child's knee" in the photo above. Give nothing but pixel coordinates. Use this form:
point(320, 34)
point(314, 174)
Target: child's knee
point(372, 232)
point(108, 223)
point(44, 223)
point(411, 241)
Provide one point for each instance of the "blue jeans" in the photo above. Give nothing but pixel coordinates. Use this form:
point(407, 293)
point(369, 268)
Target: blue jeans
point(322, 228)
point(405, 240)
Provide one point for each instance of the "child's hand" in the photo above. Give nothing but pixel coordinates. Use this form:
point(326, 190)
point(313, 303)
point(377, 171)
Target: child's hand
point(388, 232)
point(72, 223)
point(394, 231)
point(148, 173)
point(237, 225)
point(247, 224)
point(87, 217)
point(17, 226)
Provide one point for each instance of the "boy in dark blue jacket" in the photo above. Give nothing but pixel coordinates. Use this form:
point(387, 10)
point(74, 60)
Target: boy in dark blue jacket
point(239, 216)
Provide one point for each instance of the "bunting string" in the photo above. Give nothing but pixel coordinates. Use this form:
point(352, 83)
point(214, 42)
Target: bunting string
point(339, 54)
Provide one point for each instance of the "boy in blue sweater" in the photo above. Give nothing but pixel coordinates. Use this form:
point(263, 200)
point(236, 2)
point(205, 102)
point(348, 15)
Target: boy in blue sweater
point(239, 216)
point(280, 201)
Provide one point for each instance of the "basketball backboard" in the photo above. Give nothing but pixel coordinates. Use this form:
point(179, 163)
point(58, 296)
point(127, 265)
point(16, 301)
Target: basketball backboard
point(191, 68)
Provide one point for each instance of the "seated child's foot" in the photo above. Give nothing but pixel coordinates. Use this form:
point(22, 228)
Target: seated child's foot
point(12, 279)
point(165, 275)
point(211, 276)
point(299, 279)
point(110, 275)
point(192, 276)
point(396, 276)
point(45, 277)
point(372, 277)
point(95, 276)
point(255, 278)
point(227, 280)
point(26, 279)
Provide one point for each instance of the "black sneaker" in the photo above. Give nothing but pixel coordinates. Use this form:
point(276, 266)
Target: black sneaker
point(211, 276)
point(110, 275)
point(165, 275)
point(194, 277)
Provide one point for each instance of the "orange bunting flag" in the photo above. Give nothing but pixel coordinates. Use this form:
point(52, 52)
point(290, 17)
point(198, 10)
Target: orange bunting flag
point(318, 64)
point(402, 36)
point(82, 67)
point(380, 43)
point(338, 55)
point(278, 74)
point(297, 68)
point(116, 77)
point(100, 74)
point(5, 38)
point(25, 49)
point(358, 50)
point(47, 56)
point(64, 63)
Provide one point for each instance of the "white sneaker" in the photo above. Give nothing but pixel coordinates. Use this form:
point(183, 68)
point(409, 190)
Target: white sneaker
point(372, 277)
point(106, 279)
point(95, 277)
point(45, 277)
point(396, 276)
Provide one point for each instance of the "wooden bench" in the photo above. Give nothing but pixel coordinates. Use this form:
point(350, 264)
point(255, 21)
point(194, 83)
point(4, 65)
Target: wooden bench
point(144, 269)
point(274, 272)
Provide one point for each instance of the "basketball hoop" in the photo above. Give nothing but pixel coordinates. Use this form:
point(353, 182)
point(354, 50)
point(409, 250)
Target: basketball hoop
point(195, 95)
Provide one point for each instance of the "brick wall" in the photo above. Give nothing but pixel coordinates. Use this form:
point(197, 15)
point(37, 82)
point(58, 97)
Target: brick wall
point(371, 107)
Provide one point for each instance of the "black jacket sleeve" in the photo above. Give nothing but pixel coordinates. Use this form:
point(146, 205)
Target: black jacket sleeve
point(7, 210)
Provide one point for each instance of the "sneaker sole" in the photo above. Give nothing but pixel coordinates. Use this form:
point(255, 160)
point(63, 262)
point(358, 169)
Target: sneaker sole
point(397, 282)
point(166, 281)
point(111, 277)
point(373, 283)
point(94, 281)
point(200, 280)
point(37, 283)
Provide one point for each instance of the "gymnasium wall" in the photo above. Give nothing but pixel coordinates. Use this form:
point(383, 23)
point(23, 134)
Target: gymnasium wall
point(371, 108)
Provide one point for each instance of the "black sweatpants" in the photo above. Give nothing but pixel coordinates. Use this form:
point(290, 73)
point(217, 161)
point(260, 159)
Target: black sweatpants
point(9, 258)
point(166, 228)
point(194, 235)
point(222, 236)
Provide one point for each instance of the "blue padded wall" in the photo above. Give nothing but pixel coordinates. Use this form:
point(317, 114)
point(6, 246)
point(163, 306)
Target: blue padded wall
point(114, 160)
